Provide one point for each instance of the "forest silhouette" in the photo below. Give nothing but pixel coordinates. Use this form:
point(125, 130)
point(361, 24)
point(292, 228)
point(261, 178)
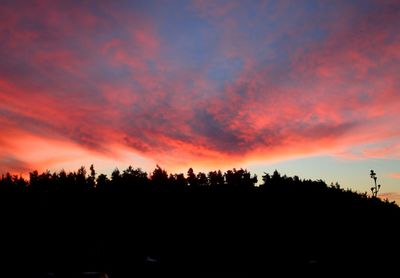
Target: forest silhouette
point(63, 223)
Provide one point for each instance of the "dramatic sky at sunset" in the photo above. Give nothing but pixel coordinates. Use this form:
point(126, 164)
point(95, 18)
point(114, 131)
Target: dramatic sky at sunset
point(306, 87)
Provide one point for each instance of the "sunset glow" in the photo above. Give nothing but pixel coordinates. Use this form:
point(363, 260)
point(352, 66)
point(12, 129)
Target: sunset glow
point(203, 84)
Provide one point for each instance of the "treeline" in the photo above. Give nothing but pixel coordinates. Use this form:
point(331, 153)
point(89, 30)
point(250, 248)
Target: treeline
point(135, 181)
point(216, 221)
point(128, 180)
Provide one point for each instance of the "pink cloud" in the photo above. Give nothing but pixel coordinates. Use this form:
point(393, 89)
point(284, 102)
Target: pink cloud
point(100, 79)
point(391, 196)
point(395, 175)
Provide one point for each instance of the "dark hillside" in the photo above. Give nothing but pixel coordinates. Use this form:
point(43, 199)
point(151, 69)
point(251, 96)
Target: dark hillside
point(68, 223)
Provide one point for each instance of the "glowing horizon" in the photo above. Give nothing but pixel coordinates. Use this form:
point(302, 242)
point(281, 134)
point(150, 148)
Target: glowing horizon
point(203, 84)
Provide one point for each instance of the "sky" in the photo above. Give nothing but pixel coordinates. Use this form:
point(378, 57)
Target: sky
point(310, 88)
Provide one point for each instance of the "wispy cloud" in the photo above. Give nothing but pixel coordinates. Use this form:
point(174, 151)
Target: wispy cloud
point(395, 175)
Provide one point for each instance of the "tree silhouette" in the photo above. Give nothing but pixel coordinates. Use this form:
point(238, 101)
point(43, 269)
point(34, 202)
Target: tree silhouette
point(191, 178)
point(102, 183)
point(159, 179)
point(221, 220)
point(216, 179)
point(91, 179)
point(240, 179)
point(12, 183)
point(202, 180)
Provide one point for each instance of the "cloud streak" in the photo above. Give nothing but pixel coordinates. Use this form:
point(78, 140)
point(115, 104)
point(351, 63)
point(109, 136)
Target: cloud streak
point(395, 175)
point(199, 81)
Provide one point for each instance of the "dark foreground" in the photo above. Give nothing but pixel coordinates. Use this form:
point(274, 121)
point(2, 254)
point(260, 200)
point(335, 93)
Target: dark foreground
point(219, 224)
point(61, 235)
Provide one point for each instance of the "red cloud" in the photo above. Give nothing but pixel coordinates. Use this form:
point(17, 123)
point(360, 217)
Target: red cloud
point(98, 80)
